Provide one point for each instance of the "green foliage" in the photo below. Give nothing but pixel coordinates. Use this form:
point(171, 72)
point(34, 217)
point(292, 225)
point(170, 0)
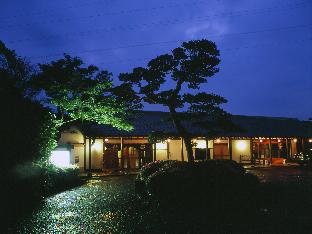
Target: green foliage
point(82, 93)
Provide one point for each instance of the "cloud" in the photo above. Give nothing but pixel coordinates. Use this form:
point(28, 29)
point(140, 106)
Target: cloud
point(214, 28)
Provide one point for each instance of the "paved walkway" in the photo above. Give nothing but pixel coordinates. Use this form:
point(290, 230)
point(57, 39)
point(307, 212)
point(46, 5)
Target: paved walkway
point(99, 206)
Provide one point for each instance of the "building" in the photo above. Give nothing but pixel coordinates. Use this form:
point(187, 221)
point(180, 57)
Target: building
point(264, 140)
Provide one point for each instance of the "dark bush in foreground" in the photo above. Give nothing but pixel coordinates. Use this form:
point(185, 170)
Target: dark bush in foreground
point(208, 186)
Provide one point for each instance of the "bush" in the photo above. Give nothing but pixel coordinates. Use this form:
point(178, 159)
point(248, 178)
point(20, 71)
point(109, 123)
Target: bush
point(213, 185)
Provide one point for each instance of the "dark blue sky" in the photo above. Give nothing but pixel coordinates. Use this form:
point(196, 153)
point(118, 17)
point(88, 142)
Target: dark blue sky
point(265, 45)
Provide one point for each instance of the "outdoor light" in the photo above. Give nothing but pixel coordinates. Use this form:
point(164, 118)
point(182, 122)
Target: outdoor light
point(218, 141)
point(201, 144)
point(60, 158)
point(168, 140)
point(295, 140)
point(261, 140)
point(278, 140)
point(106, 140)
point(97, 146)
point(161, 145)
point(310, 140)
point(241, 145)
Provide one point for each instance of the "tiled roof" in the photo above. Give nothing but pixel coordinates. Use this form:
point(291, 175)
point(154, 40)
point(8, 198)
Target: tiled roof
point(253, 126)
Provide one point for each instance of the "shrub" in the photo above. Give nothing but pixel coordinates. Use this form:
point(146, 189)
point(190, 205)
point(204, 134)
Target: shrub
point(209, 186)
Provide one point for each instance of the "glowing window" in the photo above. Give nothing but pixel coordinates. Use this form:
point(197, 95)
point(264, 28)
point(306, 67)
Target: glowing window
point(60, 158)
point(201, 144)
point(161, 146)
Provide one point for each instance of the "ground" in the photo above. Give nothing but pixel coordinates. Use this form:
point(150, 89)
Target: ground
point(108, 205)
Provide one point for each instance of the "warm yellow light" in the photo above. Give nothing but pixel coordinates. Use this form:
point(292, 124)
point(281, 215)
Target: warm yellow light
point(310, 140)
point(161, 146)
point(261, 140)
point(106, 140)
point(278, 140)
point(218, 140)
point(97, 146)
point(201, 144)
point(60, 158)
point(295, 140)
point(168, 140)
point(241, 145)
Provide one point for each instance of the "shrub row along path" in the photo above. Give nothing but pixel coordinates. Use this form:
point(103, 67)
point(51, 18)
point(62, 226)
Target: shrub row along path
point(108, 205)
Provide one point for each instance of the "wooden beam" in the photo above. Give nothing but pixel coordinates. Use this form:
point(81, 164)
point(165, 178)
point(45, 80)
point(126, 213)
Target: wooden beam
point(168, 152)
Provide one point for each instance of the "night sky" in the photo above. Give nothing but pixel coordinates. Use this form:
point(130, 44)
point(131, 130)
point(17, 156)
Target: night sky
point(265, 45)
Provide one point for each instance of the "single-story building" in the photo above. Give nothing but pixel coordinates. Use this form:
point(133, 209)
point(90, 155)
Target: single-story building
point(263, 140)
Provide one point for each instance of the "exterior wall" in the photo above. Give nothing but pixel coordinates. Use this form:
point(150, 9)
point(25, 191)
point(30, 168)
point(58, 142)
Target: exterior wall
point(175, 150)
point(161, 151)
point(240, 147)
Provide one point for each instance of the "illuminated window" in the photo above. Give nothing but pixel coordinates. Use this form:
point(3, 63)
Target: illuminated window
point(60, 158)
point(161, 146)
point(201, 144)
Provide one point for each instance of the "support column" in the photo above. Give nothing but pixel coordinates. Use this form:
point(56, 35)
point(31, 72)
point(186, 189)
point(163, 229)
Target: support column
point(168, 152)
point(90, 167)
point(291, 149)
point(154, 152)
point(182, 153)
point(84, 153)
point(252, 158)
point(287, 149)
point(122, 160)
point(270, 150)
point(302, 146)
point(207, 149)
point(230, 147)
point(103, 155)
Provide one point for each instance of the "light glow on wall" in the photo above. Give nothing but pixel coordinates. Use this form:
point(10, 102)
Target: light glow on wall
point(97, 146)
point(161, 145)
point(241, 145)
point(218, 140)
point(60, 158)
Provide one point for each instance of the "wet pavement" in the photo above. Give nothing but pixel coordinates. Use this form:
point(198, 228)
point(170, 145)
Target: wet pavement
point(99, 206)
point(108, 205)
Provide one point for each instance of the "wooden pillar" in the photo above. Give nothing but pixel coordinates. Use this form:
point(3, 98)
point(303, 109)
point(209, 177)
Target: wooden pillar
point(182, 153)
point(302, 146)
point(207, 149)
point(90, 154)
point(103, 155)
point(291, 149)
point(168, 152)
point(270, 150)
point(84, 153)
point(252, 158)
point(122, 154)
point(154, 152)
point(230, 147)
point(287, 149)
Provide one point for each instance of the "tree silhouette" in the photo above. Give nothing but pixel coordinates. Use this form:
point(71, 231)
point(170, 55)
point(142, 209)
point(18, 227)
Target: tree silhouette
point(168, 79)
